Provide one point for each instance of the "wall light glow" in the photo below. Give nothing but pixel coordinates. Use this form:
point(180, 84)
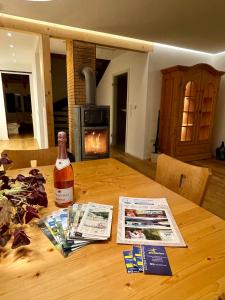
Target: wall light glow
point(181, 49)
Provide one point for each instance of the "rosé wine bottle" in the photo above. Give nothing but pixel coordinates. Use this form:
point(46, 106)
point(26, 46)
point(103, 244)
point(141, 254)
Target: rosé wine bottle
point(63, 175)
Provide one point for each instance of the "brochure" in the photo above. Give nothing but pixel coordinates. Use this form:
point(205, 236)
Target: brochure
point(130, 263)
point(71, 228)
point(96, 221)
point(148, 260)
point(147, 221)
point(155, 260)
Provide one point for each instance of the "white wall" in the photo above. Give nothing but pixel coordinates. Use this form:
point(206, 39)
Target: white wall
point(136, 64)
point(37, 90)
point(219, 128)
point(142, 122)
point(144, 92)
point(3, 124)
point(33, 65)
point(161, 58)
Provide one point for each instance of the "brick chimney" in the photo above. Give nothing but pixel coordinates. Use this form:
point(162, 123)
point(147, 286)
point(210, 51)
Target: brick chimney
point(78, 53)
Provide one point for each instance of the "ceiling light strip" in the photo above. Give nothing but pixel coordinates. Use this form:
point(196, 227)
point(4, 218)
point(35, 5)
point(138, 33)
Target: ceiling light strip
point(182, 49)
point(68, 32)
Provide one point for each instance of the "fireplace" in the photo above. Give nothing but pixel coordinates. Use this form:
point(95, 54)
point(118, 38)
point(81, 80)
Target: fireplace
point(91, 132)
point(91, 122)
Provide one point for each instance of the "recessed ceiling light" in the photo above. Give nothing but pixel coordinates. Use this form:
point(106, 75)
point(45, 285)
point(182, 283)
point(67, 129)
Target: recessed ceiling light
point(11, 46)
point(9, 33)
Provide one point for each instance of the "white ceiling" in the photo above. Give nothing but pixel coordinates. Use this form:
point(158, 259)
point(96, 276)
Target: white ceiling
point(22, 51)
point(193, 24)
point(24, 46)
point(58, 46)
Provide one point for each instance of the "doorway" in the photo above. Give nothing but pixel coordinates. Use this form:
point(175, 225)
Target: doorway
point(59, 86)
point(120, 111)
point(17, 97)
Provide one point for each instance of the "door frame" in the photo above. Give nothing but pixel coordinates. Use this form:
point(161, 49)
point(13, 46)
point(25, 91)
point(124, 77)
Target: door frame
point(114, 105)
point(29, 74)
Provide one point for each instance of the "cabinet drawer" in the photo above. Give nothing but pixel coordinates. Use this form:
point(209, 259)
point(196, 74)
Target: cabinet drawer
point(192, 149)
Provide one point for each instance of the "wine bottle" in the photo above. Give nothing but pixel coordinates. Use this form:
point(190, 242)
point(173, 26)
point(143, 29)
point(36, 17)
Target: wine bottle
point(63, 175)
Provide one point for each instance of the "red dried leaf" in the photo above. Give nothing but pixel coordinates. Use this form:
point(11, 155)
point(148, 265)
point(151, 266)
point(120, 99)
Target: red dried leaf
point(3, 229)
point(4, 160)
point(20, 177)
point(4, 239)
point(34, 172)
point(30, 214)
point(43, 200)
point(20, 239)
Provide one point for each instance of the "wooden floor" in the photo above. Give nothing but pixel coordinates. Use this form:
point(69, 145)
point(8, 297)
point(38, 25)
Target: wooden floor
point(214, 199)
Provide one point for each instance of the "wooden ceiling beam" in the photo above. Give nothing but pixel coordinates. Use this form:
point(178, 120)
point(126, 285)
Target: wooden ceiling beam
point(10, 22)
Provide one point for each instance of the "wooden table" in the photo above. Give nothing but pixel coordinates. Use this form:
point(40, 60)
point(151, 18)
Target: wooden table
point(97, 271)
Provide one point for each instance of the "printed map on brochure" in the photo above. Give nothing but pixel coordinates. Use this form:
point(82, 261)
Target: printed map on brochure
point(147, 221)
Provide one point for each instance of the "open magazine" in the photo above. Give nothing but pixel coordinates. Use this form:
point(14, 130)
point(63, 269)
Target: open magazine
point(147, 221)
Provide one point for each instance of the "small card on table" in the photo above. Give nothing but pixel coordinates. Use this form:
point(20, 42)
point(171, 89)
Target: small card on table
point(155, 260)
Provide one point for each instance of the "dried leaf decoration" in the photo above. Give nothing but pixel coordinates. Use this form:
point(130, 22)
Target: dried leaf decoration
point(20, 198)
point(20, 239)
point(30, 214)
point(4, 159)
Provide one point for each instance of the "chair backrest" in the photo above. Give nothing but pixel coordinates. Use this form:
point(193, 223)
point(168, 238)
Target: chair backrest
point(185, 179)
point(22, 158)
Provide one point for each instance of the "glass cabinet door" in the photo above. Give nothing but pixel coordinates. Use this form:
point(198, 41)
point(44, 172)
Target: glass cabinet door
point(206, 112)
point(188, 113)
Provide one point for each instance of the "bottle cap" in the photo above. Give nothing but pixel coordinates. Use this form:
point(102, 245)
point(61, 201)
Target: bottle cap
point(62, 137)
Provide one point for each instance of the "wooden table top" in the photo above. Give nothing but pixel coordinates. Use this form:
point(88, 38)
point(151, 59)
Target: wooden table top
point(97, 271)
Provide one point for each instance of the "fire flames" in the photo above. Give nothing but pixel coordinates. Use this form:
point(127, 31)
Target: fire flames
point(96, 142)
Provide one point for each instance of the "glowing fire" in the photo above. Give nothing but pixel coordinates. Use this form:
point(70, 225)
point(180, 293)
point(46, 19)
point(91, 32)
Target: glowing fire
point(96, 142)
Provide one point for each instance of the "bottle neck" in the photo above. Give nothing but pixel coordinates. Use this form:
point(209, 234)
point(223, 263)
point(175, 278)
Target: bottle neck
point(62, 153)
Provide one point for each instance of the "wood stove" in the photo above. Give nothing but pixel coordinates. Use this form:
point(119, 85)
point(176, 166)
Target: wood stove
point(91, 122)
point(91, 132)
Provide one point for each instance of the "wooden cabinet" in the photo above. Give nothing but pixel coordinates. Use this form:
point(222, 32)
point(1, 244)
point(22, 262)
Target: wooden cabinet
point(188, 102)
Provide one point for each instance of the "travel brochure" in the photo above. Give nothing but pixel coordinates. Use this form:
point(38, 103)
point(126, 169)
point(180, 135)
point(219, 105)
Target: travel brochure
point(147, 259)
point(74, 227)
point(155, 260)
point(147, 221)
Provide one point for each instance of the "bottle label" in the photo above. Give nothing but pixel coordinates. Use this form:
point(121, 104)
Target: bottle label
point(64, 195)
point(62, 163)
